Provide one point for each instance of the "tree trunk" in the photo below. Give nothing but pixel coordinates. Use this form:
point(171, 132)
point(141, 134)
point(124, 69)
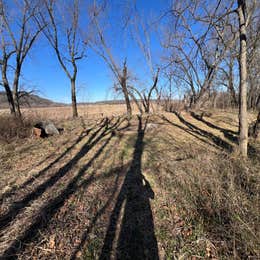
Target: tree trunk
point(127, 101)
point(148, 99)
point(8, 90)
point(73, 98)
point(18, 113)
point(231, 84)
point(257, 102)
point(125, 92)
point(254, 127)
point(10, 99)
point(243, 124)
point(16, 93)
point(136, 102)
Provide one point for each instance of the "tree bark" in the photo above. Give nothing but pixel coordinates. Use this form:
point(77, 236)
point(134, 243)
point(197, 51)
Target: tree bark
point(10, 99)
point(136, 102)
point(127, 101)
point(148, 99)
point(243, 124)
point(16, 95)
point(254, 128)
point(231, 84)
point(73, 98)
point(7, 88)
point(125, 91)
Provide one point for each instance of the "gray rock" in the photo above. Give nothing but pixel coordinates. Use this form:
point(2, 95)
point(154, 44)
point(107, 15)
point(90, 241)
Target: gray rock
point(48, 127)
point(151, 126)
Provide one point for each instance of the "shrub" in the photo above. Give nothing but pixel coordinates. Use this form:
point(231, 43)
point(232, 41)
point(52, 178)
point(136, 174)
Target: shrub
point(12, 128)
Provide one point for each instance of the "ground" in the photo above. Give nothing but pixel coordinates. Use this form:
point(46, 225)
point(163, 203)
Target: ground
point(160, 186)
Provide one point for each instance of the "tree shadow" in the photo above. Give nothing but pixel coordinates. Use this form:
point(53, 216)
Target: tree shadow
point(42, 172)
point(115, 171)
point(253, 152)
point(232, 136)
point(189, 132)
point(136, 239)
point(40, 221)
point(22, 186)
point(17, 206)
point(229, 134)
point(215, 139)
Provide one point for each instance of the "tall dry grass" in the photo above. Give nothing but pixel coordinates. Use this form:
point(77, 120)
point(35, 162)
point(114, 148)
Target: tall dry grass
point(89, 111)
point(12, 129)
point(217, 196)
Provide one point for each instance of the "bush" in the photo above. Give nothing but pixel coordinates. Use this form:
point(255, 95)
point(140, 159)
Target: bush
point(12, 128)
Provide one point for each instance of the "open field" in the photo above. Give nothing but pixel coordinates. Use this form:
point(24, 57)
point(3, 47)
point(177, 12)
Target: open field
point(161, 186)
point(90, 111)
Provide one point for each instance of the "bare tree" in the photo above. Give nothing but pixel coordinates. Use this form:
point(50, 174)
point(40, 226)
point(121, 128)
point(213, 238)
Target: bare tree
point(253, 54)
point(243, 124)
point(197, 53)
point(16, 41)
point(227, 76)
point(144, 96)
point(100, 46)
point(6, 55)
point(63, 35)
point(244, 11)
point(141, 35)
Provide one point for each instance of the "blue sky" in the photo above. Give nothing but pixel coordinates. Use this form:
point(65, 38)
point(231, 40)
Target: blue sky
point(42, 72)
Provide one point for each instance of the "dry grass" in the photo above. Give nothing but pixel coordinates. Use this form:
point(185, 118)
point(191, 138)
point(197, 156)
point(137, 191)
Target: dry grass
point(12, 129)
point(91, 111)
point(71, 195)
point(210, 197)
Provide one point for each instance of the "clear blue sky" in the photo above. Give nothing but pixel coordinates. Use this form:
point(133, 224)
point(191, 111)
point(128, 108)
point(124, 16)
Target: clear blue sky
point(42, 71)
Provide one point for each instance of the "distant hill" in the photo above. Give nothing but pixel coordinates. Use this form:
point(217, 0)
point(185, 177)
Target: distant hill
point(29, 100)
point(33, 100)
point(106, 102)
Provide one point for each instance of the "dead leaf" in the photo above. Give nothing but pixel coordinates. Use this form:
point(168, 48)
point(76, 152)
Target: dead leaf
point(79, 254)
point(52, 242)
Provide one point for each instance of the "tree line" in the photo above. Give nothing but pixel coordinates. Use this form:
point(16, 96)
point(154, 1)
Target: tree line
point(206, 48)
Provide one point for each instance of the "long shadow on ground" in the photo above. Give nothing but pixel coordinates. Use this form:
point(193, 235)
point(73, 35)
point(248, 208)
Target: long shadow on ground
point(215, 139)
point(232, 136)
point(45, 169)
point(39, 190)
point(117, 171)
point(48, 210)
point(229, 134)
point(188, 131)
point(136, 238)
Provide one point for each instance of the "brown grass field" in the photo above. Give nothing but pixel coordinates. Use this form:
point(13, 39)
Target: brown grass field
point(160, 186)
point(91, 111)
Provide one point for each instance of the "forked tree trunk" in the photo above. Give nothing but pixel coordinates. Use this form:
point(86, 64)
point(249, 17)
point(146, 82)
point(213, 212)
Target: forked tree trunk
point(243, 124)
point(74, 98)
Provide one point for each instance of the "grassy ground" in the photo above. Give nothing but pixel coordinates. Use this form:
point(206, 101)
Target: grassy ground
point(90, 111)
point(163, 186)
